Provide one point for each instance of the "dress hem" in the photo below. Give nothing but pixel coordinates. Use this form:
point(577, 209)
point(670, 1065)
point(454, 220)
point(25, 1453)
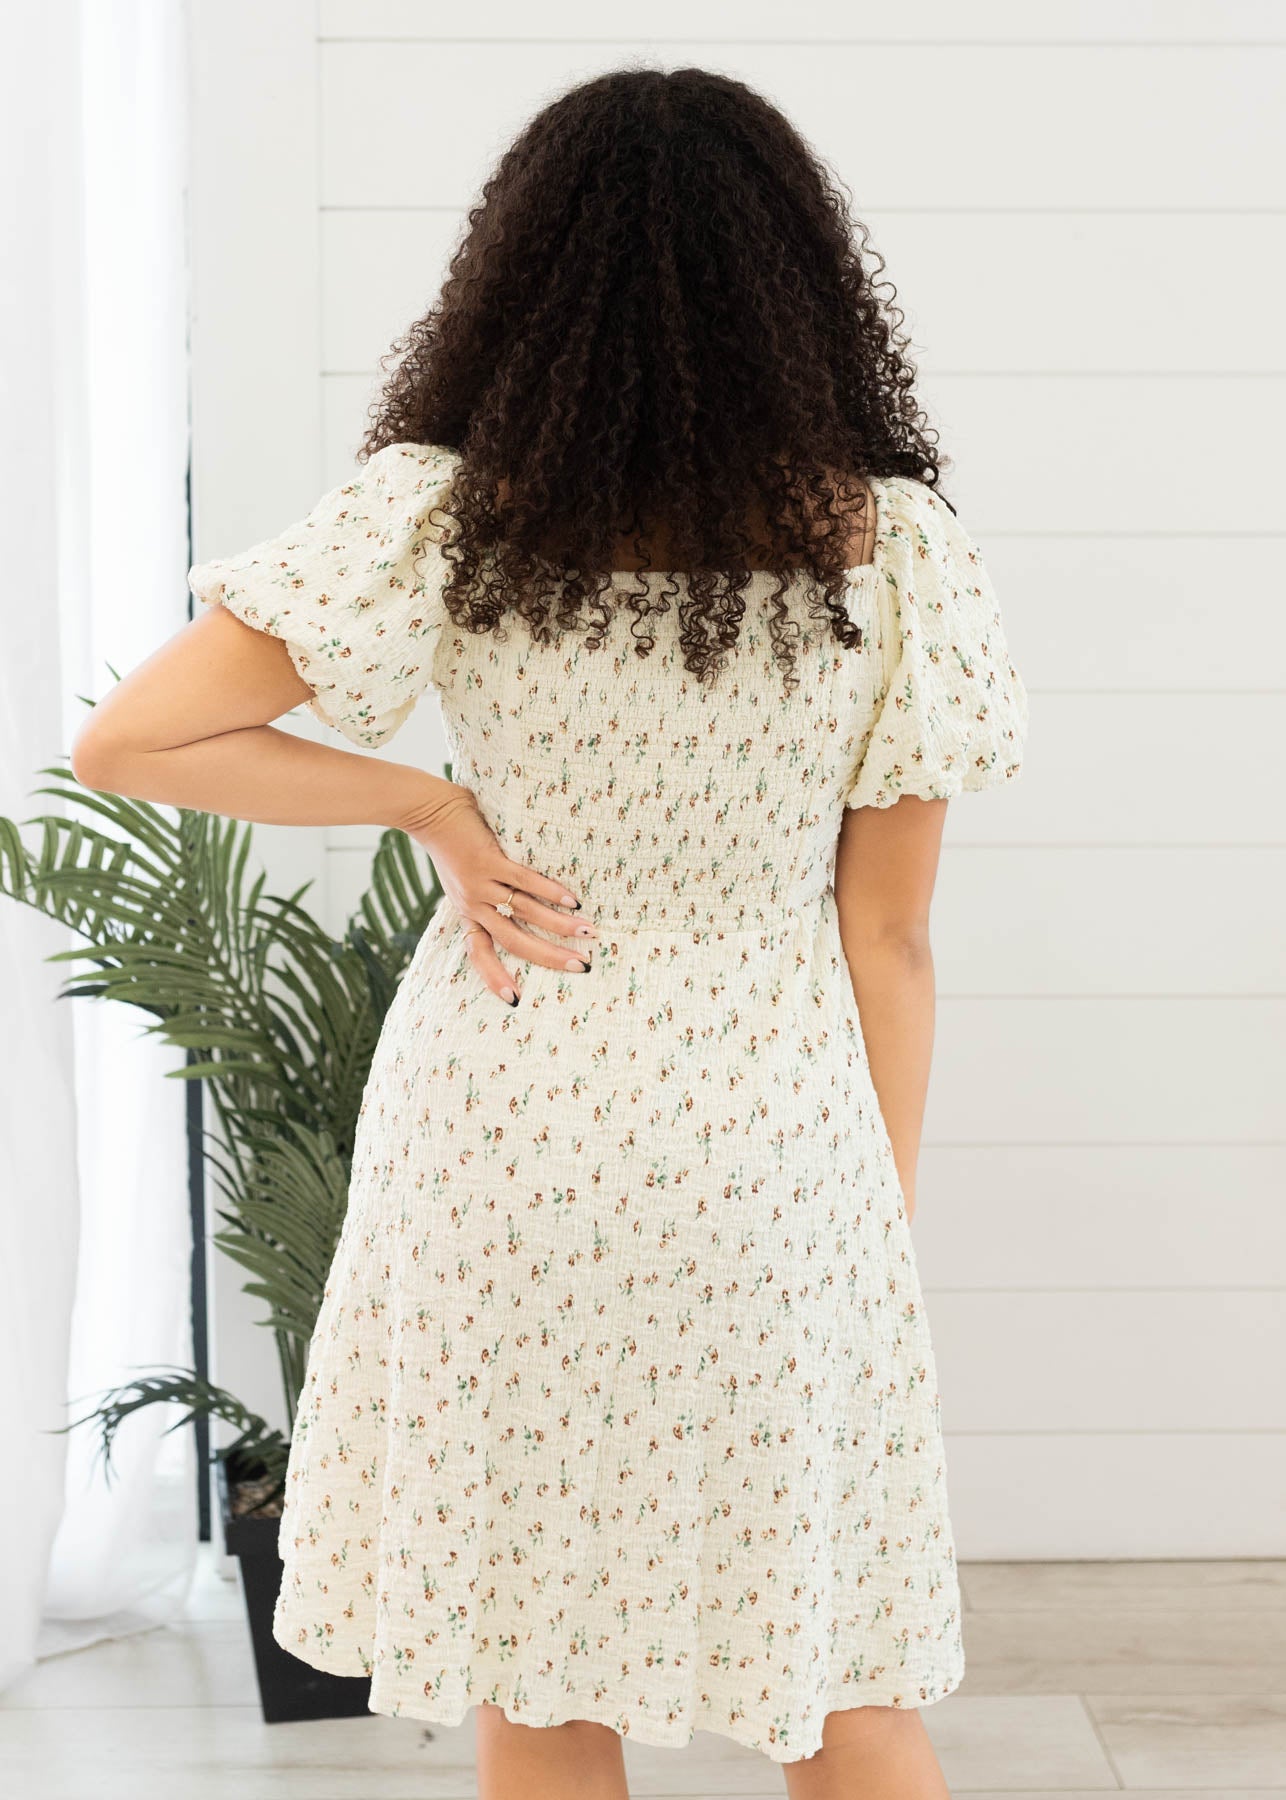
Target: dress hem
point(453, 1713)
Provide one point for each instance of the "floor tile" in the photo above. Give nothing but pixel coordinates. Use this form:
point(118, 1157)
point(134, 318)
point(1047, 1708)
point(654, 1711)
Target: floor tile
point(709, 1765)
point(1211, 1741)
point(216, 1587)
point(191, 1663)
point(1101, 1651)
point(224, 1753)
point(228, 1753)
point(1001, 1740)
point(1124, 1586)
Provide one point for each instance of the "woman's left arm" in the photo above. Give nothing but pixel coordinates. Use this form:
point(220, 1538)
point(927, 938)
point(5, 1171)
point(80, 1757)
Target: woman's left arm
point(885, 868)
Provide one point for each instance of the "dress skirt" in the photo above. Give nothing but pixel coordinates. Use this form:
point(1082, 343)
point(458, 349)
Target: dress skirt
point(621, 1404)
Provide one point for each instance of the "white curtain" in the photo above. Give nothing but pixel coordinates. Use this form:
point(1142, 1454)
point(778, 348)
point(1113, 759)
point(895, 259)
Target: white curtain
point(93, 459)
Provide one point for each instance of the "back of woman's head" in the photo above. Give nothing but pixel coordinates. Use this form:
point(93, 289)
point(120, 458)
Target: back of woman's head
point(658, 330)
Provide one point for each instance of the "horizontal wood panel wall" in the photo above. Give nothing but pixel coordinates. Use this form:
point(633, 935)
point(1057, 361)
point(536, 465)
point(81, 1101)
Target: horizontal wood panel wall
point(1082, 211)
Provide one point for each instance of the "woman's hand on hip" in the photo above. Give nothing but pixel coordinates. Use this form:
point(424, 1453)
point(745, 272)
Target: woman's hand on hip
point(479, 879)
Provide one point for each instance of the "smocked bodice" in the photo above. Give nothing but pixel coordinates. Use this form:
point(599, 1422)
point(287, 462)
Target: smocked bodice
point(675, 804)
point(663, 802)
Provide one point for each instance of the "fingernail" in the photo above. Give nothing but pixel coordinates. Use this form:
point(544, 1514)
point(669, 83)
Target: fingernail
point(567, 900)
point(574, 962)
point(509, 995)
point(585, 931)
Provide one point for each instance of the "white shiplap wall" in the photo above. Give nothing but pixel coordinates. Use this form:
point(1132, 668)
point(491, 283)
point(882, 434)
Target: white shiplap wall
point(1082, 208)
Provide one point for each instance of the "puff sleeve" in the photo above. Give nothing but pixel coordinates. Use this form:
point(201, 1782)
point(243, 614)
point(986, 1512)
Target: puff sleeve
point(354, 590)
point(952, 715)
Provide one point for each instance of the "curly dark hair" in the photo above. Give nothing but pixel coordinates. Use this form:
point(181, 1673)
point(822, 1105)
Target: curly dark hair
point(659, 320)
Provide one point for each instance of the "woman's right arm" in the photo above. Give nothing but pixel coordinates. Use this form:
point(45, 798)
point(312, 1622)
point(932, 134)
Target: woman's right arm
point(885, 868)
point(191, 727)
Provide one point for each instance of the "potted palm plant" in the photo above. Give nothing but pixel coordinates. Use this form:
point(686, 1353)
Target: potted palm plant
point(278, 1020)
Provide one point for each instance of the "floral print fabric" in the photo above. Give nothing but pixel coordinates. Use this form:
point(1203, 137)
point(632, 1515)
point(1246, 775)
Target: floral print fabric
point(622, 1403)
point(954, 716)
point(352, 592)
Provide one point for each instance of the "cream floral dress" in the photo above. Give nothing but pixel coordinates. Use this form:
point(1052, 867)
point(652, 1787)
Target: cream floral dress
point(622, 1404)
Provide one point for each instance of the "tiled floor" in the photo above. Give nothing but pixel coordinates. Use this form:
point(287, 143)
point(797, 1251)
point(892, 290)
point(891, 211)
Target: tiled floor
point(1165, 1680)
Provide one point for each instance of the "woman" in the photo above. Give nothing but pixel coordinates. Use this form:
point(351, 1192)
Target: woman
point(621, 1412)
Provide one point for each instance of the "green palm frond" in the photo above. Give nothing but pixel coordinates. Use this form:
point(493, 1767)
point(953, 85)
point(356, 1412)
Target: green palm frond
point(277, 1018)
point(256, 1439)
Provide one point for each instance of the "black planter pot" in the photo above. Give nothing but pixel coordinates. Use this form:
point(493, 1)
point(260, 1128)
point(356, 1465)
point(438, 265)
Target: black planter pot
point(288, 1689)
